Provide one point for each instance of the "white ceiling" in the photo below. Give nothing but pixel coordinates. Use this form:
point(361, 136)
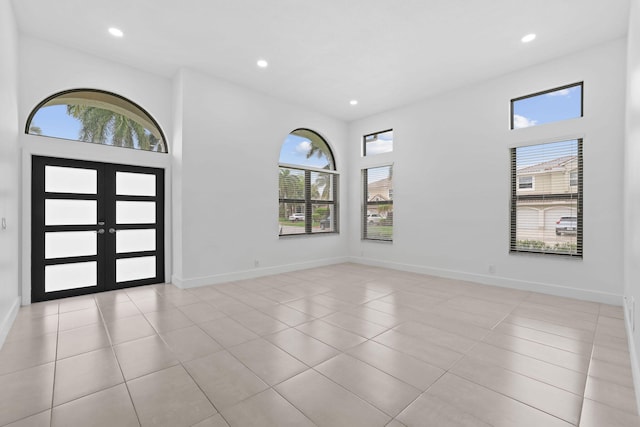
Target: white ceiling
point(384, 53)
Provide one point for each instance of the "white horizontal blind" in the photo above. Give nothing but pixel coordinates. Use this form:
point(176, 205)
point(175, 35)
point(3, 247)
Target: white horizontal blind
point(377, 220)
point(546, 198)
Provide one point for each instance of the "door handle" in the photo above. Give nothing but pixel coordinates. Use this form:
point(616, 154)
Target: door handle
point(100, 231)
point(112, 230)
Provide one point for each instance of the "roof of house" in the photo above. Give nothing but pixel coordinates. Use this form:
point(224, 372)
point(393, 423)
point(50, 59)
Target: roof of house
point(549, 165)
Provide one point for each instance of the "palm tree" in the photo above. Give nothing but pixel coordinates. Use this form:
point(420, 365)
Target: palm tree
point(291, 186)
point(322, 181)
point(108, 127)
point(320, 150)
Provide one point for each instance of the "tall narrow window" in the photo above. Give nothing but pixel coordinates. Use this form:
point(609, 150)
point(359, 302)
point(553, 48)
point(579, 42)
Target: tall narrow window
point(308, 185)
point(546, 198)
point(96, 116)
point(553, 105)
point(377, 143)
point(377, 219)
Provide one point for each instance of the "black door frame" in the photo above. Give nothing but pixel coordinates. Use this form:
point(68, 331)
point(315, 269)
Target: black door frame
point(106, 243)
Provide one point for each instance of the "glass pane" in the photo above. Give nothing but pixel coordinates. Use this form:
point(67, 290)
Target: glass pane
point(292, 218)
point(65, 244)
point(97, 117)
point(70, 276)
point(135, 184)
point(378, 143)
point(321, 186)
point(135, 241)
point(70, 212)
point(135, 268)
point(135, 212)
point(379, 204)
point(291, 184)
point(323, 218)
point(560, 104)
point(58, 179)
point(306, 148)
point(547, 198)
point(380, 222)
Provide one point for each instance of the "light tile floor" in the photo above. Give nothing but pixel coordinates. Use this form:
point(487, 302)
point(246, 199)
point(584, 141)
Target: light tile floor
point(344, 345)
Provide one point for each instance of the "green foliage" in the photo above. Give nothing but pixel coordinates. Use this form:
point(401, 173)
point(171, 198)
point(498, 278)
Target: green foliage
point(320, 214)
point(291, 186)
point(108, 127)
point(540, 246)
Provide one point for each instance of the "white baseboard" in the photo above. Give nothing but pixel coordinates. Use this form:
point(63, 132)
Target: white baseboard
point(253, 273)
point(493, 280)
point(7, 321)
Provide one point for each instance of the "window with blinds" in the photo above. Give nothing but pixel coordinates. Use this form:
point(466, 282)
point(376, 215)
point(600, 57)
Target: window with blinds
point(308, 185)
point(546, 198)
point(377, 217)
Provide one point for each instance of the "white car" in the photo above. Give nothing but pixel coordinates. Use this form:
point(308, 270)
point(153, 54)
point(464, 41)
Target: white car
point(296, 217)
point(374, 218)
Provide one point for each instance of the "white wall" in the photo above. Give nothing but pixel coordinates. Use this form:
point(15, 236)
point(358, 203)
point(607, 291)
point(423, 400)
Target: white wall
point(632, 193)
point(224, 144)
point(228, 184)
point(9, 170)
point(46, 69)
point(452, 180)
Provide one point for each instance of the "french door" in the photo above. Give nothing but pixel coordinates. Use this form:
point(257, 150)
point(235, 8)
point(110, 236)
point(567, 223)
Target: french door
point(94, 227)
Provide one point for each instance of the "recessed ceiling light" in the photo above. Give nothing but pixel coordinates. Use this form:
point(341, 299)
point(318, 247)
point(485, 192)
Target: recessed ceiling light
point(353, 102)
point(116, 32)
point(528, 38)
point(262, 63)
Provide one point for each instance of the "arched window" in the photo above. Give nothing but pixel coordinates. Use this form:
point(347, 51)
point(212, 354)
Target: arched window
point(308, 185)
point(96, 116)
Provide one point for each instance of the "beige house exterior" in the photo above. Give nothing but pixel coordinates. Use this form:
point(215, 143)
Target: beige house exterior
point(545, 192)
point(379, 191)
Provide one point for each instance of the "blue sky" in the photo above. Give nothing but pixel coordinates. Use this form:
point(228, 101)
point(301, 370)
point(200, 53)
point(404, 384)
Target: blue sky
point(294, 151)
point(383, 143)
point(551, 107)
point(54, 121)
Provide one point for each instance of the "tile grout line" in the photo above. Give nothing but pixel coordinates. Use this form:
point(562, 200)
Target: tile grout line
point(113, 351)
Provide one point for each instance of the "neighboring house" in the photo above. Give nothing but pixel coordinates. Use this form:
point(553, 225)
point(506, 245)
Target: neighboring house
point(546, 191)
point(379, 191)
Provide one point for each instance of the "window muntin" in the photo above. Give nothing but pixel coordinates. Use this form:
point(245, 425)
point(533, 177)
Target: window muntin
point(377, 212)
point(546, 107)
point(96, 116)
point(548, 217)
point(308, 185)
point(377, 143)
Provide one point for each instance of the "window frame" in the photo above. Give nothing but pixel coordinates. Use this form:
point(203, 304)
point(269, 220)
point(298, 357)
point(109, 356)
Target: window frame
point(145, 114)
point(572, 180)
point(544, 92)
point(364, 173)
point(307, 201)
point(579, 194)
point(364, 143)
point(533, 183)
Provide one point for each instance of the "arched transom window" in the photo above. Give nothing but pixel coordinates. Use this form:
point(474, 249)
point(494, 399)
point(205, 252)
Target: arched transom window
point(96, 116)
point(308, 185)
